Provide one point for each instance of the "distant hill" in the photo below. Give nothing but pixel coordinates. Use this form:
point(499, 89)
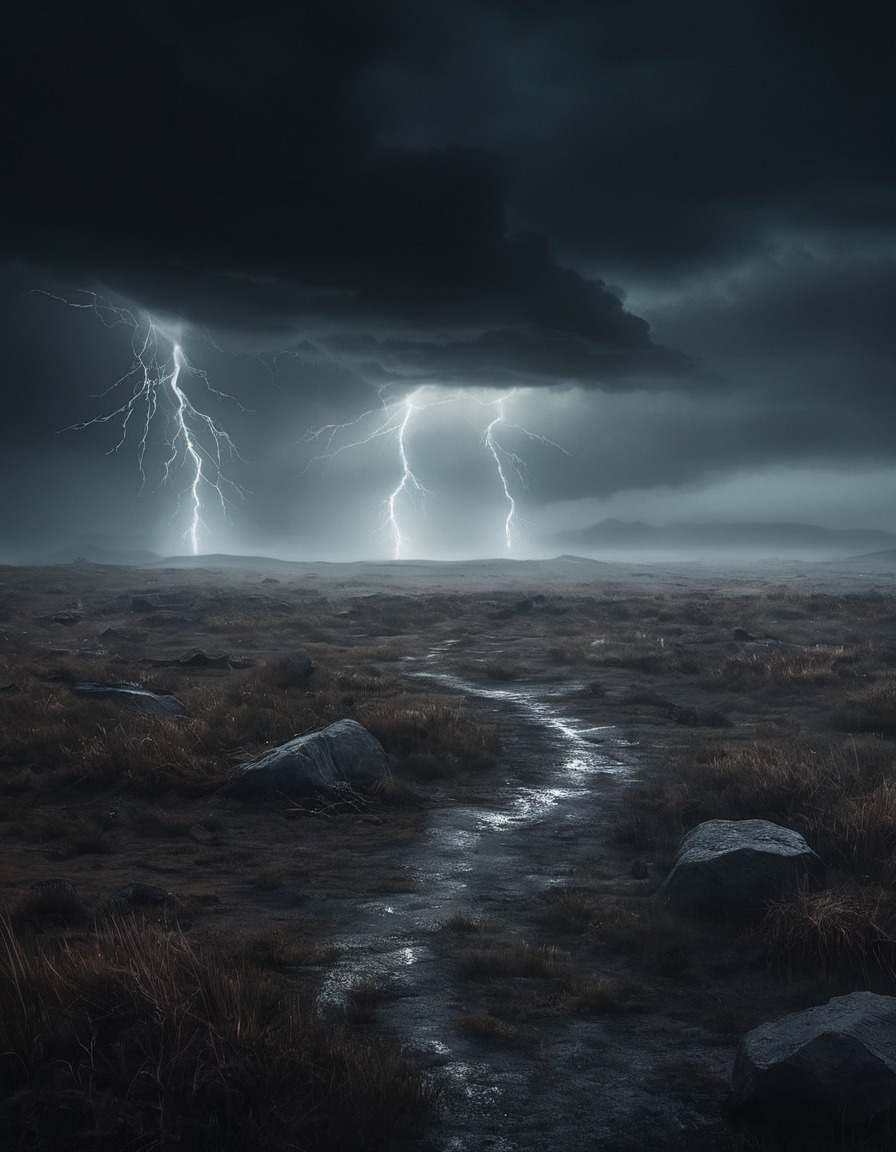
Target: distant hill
point(760, 539)
point(96, 555)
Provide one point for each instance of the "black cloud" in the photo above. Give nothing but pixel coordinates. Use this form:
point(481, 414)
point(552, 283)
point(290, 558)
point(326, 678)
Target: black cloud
point(227, 170)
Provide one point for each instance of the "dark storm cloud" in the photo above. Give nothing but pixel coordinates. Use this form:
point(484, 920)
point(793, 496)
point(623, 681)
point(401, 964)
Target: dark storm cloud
point(228, 170)
point(503, 358)
point(369, 195)
point(648, 136)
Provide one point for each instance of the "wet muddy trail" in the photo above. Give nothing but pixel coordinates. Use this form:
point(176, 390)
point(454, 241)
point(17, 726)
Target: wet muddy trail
point(589, 1082)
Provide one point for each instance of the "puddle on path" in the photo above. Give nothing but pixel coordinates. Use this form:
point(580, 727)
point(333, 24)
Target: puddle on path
point(547, 816)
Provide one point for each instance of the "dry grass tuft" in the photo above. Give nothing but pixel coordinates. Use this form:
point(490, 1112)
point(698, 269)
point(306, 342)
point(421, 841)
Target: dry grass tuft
point(872, 710)
point(394, 792)
point(570, 910)
point(275, 949)
point(596, 995)
point(493, 1030)
point(785, 668)
point(845, 930)
point(136, 1038)
point(511, 960)
point(362, 1002)
point(461, 922)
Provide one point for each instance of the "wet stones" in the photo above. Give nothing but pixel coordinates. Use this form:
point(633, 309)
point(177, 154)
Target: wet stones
point(733, 865)
point(836, 1062)
point(153, 703)
point(343, 753)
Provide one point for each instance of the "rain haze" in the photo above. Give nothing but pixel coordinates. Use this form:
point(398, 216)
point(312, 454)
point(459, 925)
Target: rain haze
point(448, 280)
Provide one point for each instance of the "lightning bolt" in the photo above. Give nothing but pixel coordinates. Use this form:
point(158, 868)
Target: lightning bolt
point(394, 421)
point(150, 392)
point(407, 483)
point(500, 456)
point(507, 461)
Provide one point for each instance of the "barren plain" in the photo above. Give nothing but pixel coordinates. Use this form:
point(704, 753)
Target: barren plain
point(470, 954)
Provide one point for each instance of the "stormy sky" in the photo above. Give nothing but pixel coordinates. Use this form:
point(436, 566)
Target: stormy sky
point(622, 259)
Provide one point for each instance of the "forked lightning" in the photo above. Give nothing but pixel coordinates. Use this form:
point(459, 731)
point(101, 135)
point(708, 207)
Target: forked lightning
point(152, 391)
point(394, 421)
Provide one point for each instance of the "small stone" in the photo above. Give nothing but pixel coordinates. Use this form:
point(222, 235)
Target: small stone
point(132, 897)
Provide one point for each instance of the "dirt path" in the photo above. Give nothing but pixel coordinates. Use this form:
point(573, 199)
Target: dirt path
point(587, 1083)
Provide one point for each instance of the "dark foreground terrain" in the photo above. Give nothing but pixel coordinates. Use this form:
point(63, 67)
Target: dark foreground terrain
point(470, 954)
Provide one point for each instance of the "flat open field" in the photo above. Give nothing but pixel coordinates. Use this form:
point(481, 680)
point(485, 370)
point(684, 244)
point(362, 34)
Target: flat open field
point(469, 954)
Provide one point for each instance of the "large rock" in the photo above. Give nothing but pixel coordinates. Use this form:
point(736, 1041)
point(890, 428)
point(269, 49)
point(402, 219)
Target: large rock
point(834, 1062)
point(343, 753)
point(731, 865)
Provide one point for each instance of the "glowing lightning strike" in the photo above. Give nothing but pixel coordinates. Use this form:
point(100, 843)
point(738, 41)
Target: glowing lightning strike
point(395, 422)
point(395, 419)
point(505, 460)
point(497, 452)
point(194, 440)
point(407, 482)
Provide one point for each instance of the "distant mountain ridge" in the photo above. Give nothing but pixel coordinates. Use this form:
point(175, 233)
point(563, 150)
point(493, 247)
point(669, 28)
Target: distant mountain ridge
point(94, 554)
point(779, 539)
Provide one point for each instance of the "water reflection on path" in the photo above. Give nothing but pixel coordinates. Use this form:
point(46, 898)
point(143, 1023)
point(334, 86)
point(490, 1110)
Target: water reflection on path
point(539, 824)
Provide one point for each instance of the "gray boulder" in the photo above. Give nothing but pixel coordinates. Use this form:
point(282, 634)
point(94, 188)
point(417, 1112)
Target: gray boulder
point(834, 1062)
point(731, 865)
point(343, 753)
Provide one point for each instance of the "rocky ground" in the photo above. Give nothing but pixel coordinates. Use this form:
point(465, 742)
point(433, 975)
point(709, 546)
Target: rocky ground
point(501, 919)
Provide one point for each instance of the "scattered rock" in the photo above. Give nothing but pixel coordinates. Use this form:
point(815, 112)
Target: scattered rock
point(836, 1062)
point(731, 865)
point(689, 717)
point(137, 896)
point(742, 636)
point(10, 690)
point(200, 659)
point(68, 616)
point(294, 668)
point(146, 604)
point(56, 886)
point(153, 703)
point(55, 899)
point(270, 580)
point(343, 753)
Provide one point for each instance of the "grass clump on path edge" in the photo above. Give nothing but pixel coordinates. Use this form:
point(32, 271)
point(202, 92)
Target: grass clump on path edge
point(134, 1037)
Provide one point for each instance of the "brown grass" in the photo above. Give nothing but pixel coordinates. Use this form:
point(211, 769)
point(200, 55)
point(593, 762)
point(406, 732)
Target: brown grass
point(871, 710)
point(493, 1030)
point(362, 1002)
point(136, 1038)
point(839, 795)
point(51, 739)
point(570, 910)
point(816, 666)
point(461, 922)
point(846, 930)
point(511, 960)
point(596, 995)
